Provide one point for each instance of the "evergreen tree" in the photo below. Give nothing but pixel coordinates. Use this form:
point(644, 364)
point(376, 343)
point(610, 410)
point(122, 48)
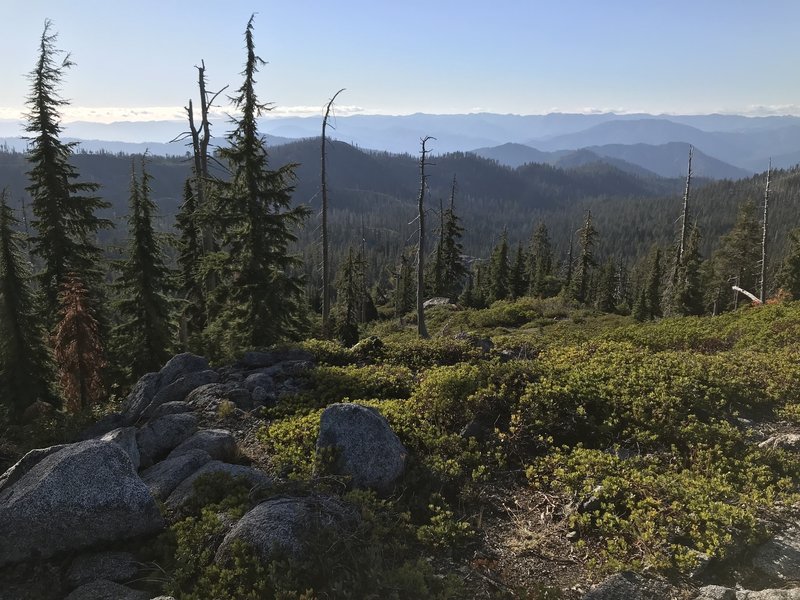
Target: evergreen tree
point(350, 297)
point(25, 365)
point(405, 290)
point(190, 258)
point(518, 282)
point(261, 296)
point(78, 349)
point(654, 277)
point(789, 277)
point(499, 284)
point(647, 302)
point(144, 335)
point(582, 277)
point(606, 296)
point(540, 261)
point(453, 268)
point(688, 289)
point(736, 258)
point(63, 209)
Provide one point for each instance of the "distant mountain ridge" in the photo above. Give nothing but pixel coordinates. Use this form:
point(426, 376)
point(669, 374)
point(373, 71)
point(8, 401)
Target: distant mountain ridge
point(665, 160)
point(742, 145)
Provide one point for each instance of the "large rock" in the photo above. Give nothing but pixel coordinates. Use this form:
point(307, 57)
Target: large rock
point(778, 560)
point(164, 477)
point(632, 586)
point(284, 525)
point(716, 592)
point(259, 379)
point(180, 365)
point(125, 438)
point(79, 496)
point(102, 589)
point(158, 437)
point(186, 491)
point(179, 389)
point(25, 464)
point(219, 443)
point(364, 446)
point(139, 398)
point(113, 566)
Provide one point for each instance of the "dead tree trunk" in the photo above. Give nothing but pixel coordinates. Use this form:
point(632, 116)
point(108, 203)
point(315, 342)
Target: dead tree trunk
point(762, 293)
point(201, 137)
point(685, 213)
point(326, 276)
point(421, 329)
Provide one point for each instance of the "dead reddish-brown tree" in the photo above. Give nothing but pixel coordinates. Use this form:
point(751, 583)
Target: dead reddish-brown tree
point(78, 348)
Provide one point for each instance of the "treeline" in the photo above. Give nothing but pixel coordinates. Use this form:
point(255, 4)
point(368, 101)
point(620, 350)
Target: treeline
point(235, 269)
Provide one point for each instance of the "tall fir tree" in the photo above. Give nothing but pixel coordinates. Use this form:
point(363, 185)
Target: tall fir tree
point(77, 347)
point(647, 302)
point(350, 297)
point(190, 280)
point(262, 295)
point(540, 261)
point(63, 208)
point(25, 364)
point(582, 278)
point(404, 288)
point(606, 297)
point(518, 280)
point(453, 268)
point(499, 271)
point(687, 290)
point(144, 335)
point(736, 259)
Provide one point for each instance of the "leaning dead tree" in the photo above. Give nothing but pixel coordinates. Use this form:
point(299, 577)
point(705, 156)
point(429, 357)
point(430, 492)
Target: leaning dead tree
point(423, 157)
point(326, 276)
point(752, 297)
point(762, 292)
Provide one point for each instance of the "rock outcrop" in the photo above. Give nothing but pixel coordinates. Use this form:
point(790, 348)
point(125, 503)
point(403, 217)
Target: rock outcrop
point(74, 498)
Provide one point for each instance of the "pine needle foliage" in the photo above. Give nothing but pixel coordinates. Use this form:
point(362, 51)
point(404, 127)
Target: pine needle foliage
point(25, 364)
point(144, 335)
point(78, 349)
point(63, 209)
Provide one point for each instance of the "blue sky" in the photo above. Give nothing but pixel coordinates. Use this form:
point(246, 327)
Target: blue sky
point(134, 60)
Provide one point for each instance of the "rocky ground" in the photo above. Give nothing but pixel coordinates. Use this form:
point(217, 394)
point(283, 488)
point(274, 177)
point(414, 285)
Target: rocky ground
point(68, 511)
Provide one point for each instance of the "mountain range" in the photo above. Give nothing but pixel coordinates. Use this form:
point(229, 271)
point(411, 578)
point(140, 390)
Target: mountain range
point(726, 146)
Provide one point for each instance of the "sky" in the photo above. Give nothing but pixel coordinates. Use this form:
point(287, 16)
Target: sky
point(135, 60)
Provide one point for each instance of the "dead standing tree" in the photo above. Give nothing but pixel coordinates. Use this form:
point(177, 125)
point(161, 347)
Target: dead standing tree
point(421, 329)
point(326, 276)
point(200, 137)
point(763, 281)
